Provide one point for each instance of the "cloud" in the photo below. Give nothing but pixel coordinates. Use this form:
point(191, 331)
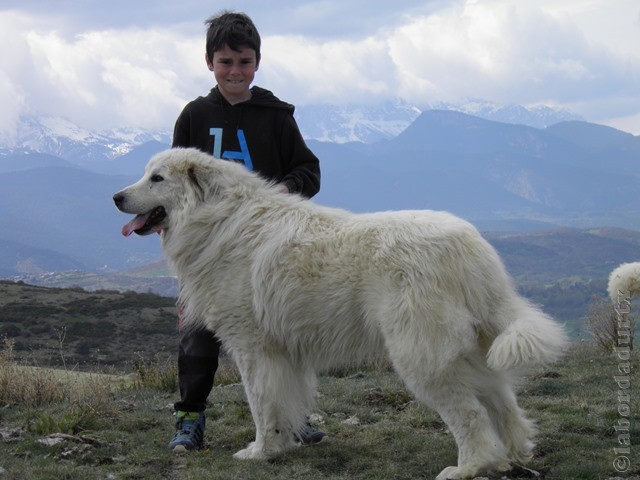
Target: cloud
point(12, 100)
point(16, 68)
point(305, 71)
point(102, 79)
point(509, 52)
point(123, 68)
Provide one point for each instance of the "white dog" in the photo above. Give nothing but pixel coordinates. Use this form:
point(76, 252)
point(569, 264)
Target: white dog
point(292, 288)
point(624, 280)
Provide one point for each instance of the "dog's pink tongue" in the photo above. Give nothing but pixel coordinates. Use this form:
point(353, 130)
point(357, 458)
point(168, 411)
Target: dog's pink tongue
point(135, 224)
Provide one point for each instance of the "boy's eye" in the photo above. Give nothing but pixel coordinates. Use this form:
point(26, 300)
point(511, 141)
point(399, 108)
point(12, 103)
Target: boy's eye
point(244, 61)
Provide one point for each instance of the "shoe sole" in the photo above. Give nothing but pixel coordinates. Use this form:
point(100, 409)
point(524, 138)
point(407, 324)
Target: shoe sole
point(179, 449)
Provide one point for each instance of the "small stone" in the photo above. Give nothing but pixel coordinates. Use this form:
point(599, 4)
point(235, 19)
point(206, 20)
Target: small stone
point(351, 421)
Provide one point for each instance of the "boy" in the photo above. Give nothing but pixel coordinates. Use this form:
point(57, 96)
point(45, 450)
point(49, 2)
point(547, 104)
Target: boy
point(240, 123)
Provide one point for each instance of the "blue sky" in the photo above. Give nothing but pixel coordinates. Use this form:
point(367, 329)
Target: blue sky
point(136, 63)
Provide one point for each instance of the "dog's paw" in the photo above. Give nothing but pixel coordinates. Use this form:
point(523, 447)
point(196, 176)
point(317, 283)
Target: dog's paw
point(457, 473)
point(471, 471)
point(250, 453)
point(520, 471)
point(449, 473)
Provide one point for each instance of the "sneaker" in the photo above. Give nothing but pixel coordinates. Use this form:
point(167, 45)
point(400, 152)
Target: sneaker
point(310, 436)
point(189, 431)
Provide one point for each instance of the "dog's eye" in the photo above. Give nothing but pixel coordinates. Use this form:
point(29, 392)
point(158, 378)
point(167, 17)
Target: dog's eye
point(157, 178)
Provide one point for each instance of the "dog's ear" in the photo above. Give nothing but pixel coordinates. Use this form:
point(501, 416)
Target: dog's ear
point(196, 182)
point(201, 179)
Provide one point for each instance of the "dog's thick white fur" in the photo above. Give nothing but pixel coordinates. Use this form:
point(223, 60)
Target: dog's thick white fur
point(624, 280)
point(293, 288)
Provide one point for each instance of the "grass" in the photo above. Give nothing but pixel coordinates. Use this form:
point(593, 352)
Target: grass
point(72, 426)
point(71, 327)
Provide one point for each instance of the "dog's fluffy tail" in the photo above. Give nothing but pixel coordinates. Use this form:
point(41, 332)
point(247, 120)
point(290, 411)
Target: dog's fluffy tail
point(624, 280)
point(533, 338)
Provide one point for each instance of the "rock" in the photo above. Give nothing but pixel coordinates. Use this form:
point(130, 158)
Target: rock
point(8, 435)
point(316, 419)
point(351, 421)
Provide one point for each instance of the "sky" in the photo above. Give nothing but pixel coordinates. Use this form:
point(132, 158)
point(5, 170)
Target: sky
point(136, 63)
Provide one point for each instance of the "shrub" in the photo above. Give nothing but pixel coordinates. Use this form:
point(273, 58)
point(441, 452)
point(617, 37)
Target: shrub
point(77, 419)
point(158, 373)
point(97, 329)
point(35, 387)
point(603, 322)
point(227, 373)
point(10, 330)
point(24, 311)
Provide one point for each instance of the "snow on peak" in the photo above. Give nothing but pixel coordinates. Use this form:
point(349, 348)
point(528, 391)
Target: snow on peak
point(60, 127)
point(325, 122)
point(355, 123)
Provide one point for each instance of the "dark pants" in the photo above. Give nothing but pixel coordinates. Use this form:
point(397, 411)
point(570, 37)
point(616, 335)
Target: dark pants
point(197, 365)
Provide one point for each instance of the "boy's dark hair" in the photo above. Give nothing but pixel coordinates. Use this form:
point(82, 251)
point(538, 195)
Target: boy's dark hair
point(234, 30)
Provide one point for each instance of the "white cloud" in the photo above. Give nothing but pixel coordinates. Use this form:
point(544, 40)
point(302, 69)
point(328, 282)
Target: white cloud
point(524, 52)
point(102, 79)
point(577, 54)
point(13, 102)
point(15, 61)
point(505, 51)
point(304, 71)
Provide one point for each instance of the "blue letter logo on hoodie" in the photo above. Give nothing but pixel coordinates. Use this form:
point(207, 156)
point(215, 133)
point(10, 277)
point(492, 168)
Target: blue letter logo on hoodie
point(243, 155)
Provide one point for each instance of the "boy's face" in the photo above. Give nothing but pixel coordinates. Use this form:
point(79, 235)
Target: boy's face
point(234, 72)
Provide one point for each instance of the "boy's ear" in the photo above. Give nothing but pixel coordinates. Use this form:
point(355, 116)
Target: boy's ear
point(209, 61)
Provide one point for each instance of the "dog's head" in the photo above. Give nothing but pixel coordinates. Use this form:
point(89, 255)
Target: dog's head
point(173, 179)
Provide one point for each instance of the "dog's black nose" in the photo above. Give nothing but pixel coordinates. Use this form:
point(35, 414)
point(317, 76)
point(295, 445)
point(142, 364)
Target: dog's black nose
point(118, 198)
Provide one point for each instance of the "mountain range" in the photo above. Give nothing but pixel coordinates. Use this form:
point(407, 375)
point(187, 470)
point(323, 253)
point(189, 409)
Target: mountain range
point(325, 123)
point(571, 174)
point(56, 179)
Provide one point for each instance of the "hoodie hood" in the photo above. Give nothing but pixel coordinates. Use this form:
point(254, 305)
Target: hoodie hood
point(260, 97)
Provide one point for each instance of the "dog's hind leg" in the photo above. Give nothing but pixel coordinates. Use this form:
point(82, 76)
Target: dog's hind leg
point(451, 392)
point(515, 429)
point(480, 448)
point(279, 395)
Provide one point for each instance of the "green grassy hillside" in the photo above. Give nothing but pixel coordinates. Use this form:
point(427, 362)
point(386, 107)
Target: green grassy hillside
point(65, 327)
point(62, 423)
point(101, 429)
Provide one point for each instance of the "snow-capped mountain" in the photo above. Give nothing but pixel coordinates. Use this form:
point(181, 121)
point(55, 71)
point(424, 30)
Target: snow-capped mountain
point(353, 123)
point(326, 123)
point(373, 123)
point(505, 175)
point(538, 116)
point(61, 138)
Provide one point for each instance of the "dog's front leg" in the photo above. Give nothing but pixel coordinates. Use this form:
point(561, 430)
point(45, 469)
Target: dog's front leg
point(271, 384)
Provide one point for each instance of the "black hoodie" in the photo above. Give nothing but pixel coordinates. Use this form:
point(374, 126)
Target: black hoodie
point(260, 132)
